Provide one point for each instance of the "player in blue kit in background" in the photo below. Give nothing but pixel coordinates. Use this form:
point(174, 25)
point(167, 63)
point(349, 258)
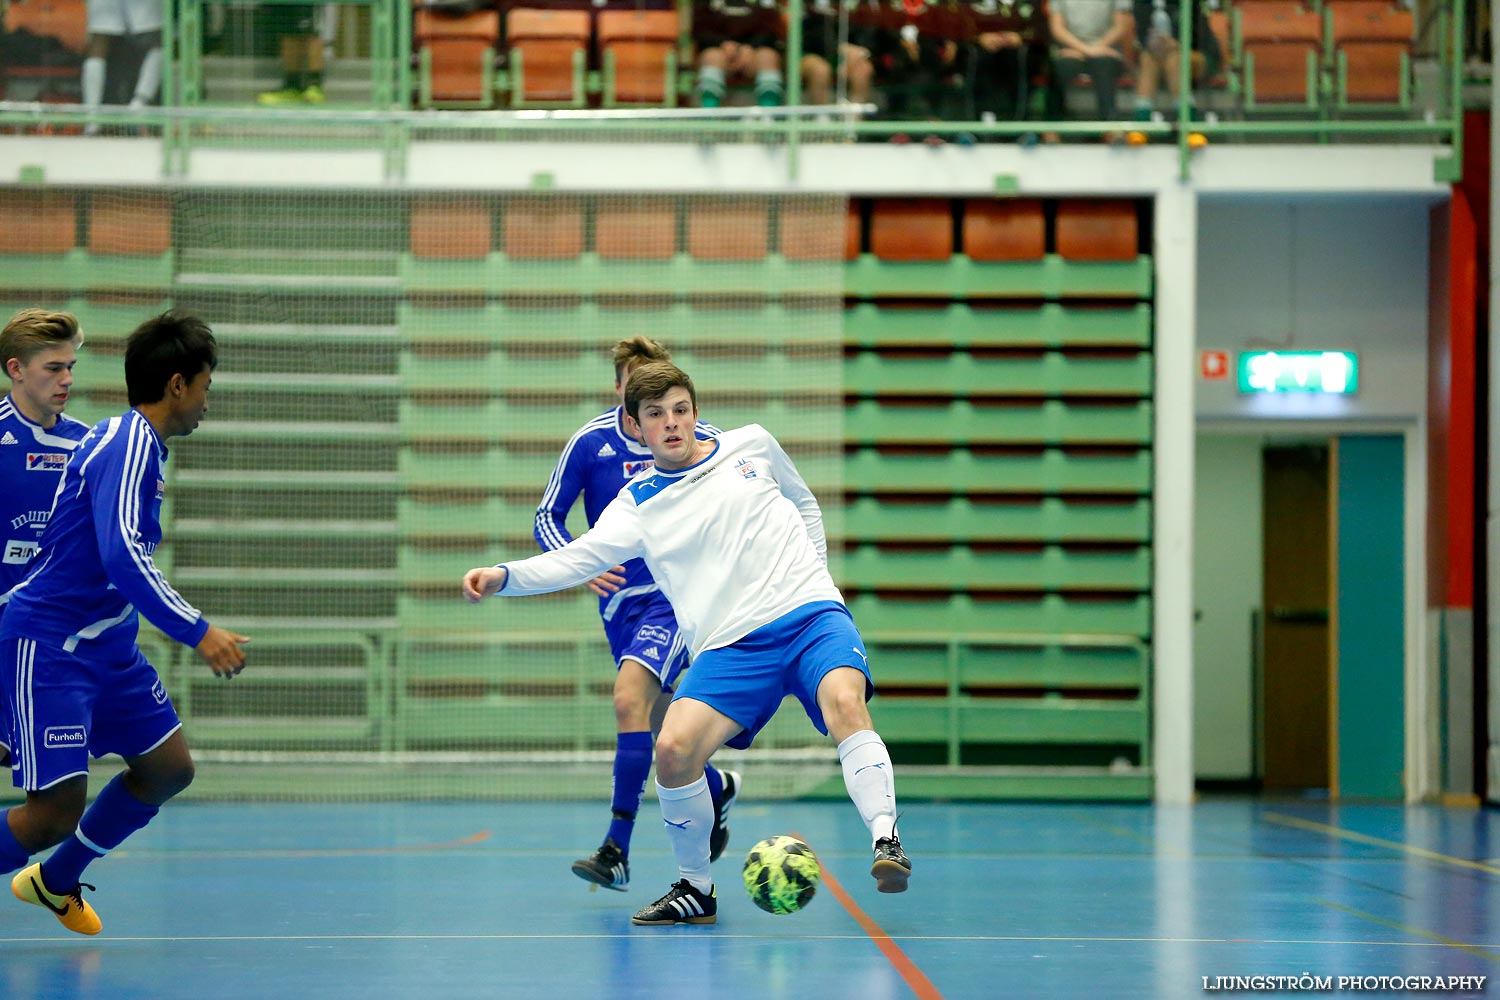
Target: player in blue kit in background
point(648, 651)
point(72, 680)
point(735, 539)
point(38, 349)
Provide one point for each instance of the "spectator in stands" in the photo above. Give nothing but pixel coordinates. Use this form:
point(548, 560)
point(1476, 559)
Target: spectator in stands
point(738, 41)
point(112, 19)
point(301, 56)
point(910, 65)
point(1088, 37)
point(1009, 46)
point(831, 43)
point(1157, 32)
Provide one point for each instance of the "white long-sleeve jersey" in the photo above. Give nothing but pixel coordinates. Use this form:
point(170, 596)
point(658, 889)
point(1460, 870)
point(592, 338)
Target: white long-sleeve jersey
point(735, 541)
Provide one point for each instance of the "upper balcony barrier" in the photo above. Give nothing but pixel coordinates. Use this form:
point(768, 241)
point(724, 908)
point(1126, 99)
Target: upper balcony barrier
point(887, 71)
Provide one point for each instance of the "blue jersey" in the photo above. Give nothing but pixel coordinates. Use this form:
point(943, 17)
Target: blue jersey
point(32, 459)
point(94, 570)
point(597, 462)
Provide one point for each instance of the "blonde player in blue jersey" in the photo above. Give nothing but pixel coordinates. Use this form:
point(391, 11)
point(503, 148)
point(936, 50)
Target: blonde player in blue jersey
point(644, 640)
point(38, 349)
point(735, 539)
point(72, 680)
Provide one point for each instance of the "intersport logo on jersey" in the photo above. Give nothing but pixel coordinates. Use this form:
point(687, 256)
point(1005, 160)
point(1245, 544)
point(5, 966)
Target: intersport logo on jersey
point(46, 461)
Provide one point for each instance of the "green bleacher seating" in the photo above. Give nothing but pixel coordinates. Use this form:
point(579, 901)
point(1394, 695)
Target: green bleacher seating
point(869, 422)
point(962, 471)
point(961, 374)
point(961, 520)
point(961, 325)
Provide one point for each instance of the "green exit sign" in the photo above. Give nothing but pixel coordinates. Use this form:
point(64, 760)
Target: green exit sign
point(1330, 372)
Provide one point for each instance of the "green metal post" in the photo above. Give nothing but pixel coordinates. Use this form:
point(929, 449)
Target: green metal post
point(168, 83)
point(403, 60)
point(1189, 11)
point(794, 82)
point(1456, 82)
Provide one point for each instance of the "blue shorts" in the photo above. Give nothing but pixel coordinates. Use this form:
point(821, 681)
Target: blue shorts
point(747, 679)
point(645, 630)
point(51, 697)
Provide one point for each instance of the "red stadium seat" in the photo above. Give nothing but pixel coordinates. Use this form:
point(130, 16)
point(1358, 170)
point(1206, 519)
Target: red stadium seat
point(805, 234)
point(1371, 45)
point(639, 52)
point(449, 228)
point(728, 228)
point(458, 56)
point(130, 224)
point(1097, 229)
point(38, 222)
point(543, 227)
point(1004, 229)
point(548, 52)
point(911, 229)
point(635, 229)
point(1279, 43)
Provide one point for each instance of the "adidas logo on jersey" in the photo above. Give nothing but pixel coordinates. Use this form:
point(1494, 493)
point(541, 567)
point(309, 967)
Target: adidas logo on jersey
point(652, 652)
point(9, 438)
point(606, 451)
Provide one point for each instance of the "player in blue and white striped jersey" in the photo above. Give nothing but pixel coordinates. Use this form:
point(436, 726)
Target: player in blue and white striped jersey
point(72, 679)
point(644, 641)
point(38, 349)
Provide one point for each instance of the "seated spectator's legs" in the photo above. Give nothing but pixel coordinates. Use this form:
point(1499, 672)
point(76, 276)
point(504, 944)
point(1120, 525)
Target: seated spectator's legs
point(770, 88)
point(92, 81)
point(713, 65)
point(859, 72)
point(856, 72)
point(1163, 62)
point(106, 21)
point(1147, 80)
point(729, 61)
point(1067, 64)
point(1000, 83)
point(148, 81)
point(817, 80)
point(1104, 72)
point(111, 19)
point(301, 58)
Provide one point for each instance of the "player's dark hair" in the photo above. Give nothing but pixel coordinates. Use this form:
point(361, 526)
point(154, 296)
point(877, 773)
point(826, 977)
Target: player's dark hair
point(653, 381)
point(637, 350)
point(32, 331)
point(174, 343)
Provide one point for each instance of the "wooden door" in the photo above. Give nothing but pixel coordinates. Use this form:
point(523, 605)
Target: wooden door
point(1295, 638)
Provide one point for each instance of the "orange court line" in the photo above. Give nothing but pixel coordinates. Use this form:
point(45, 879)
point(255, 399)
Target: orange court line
point(919, 983)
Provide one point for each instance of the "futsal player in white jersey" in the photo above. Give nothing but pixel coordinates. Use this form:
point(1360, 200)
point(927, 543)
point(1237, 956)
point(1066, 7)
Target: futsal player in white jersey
point(735, 539)
point(644, 641)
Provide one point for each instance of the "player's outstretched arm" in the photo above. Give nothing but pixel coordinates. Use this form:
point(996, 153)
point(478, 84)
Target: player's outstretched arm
point(482, 581)
point(223, 651)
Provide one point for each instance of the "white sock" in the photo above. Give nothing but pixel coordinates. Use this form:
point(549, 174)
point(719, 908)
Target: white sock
point(149, 80)
point(711, 82)
point(768, 82)
point(688, 813)
point(93, 81)
point(871, 781)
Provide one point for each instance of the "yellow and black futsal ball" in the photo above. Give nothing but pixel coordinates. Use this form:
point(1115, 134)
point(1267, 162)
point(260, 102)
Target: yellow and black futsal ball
point(781, 874)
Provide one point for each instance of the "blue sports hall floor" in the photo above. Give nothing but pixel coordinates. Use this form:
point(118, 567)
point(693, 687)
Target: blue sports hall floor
point(434, 900)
